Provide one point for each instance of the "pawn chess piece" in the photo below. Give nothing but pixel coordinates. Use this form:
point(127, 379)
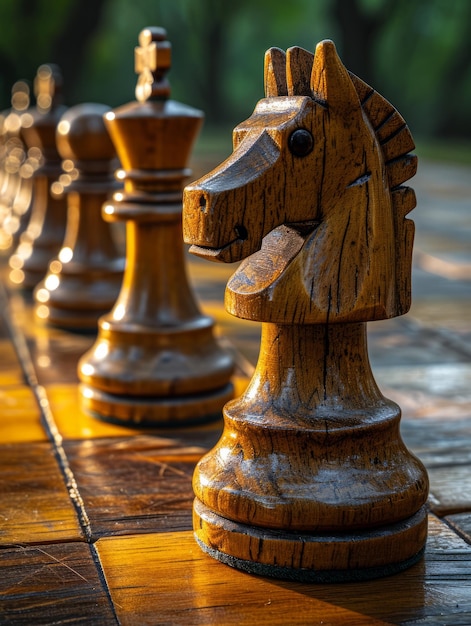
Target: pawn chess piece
point(84, 279)
point(155, 360)
point(311, 480)
point(44, 234)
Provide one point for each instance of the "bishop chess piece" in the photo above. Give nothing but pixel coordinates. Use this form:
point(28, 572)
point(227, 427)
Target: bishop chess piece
point(84, 279)
point(156, 360)
point(311, 480)
point(44, 234)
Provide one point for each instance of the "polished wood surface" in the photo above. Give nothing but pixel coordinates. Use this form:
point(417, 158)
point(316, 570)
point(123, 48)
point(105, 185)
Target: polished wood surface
point(156, 359)
point(95, 518)
point(311, 480)
point(84, 278)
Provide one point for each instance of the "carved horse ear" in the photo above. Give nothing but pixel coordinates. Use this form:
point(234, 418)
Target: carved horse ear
point(275, 73)
point(330, 80)
point(298, 71)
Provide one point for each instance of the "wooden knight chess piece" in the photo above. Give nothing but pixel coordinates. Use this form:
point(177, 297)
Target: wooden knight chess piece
point(155, 360)
point(311, 480)
point(84, 279)
point(44, 234)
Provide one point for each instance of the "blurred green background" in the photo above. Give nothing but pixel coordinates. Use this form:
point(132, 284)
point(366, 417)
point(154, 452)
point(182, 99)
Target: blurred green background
point(417, 53)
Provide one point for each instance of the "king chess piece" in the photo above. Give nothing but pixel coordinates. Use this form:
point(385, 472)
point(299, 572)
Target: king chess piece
point(44, 234)
point(84, 279)
point(311, 480)
point(156, 360)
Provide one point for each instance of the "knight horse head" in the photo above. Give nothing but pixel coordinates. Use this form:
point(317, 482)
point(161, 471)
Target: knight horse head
point(311, 198)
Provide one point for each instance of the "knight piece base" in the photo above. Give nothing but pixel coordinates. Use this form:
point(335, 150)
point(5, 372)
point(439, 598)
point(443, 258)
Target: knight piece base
point(322, 558)
point(151, 411)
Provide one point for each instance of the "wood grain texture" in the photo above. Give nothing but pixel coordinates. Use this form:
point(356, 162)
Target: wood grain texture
point(35, 504)
point(66, 572)
point(156, 359)
point(319, 448)
point(311, 203)
point(202, 598)
point(163, 577)
point(415, 596)
point(421, 362)
point(315, 220)
point(138, 484)
point(461, 522)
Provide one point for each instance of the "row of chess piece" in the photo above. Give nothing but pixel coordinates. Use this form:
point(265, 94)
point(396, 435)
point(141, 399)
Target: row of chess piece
point(155, 359)
point(310, 480)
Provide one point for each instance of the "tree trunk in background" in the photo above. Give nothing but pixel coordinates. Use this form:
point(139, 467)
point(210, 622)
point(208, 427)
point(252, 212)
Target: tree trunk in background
point(69, 49)
point(358, 31)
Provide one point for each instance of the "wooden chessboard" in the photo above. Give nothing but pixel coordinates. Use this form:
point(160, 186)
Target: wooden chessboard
point(95, 519)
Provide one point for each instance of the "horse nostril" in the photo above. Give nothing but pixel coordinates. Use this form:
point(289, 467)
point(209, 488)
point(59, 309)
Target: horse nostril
point(241, 232)
point(203, 203)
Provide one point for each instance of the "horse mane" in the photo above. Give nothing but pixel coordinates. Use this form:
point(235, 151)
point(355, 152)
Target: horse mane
point(289, 74)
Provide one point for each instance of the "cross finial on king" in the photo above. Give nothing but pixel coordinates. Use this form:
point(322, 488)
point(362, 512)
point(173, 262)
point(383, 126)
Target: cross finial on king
point(152, 62)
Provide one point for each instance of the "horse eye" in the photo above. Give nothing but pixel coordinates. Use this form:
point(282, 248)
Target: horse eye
point(301, 142)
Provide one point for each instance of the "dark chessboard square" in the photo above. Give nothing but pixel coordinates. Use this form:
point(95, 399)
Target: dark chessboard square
point(52, 584)
point(134, 485)
point(35, 505)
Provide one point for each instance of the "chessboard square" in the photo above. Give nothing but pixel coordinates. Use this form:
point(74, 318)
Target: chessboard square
point(54, 582)
point(172, 578)
point(10, 368)
point(54, 353)
point(436, 586)
point(73, 422)
point(35, 505)
point(138, 484)
point(450, 490)
point(461, 522)
point(21, 417)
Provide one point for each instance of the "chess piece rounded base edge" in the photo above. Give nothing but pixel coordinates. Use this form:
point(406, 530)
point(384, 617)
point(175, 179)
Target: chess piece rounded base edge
point(73, 320)
point(365, 555)
point(153, 411)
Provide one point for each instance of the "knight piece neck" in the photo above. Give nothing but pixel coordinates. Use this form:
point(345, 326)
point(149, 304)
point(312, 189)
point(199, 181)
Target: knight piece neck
point(315, 369)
